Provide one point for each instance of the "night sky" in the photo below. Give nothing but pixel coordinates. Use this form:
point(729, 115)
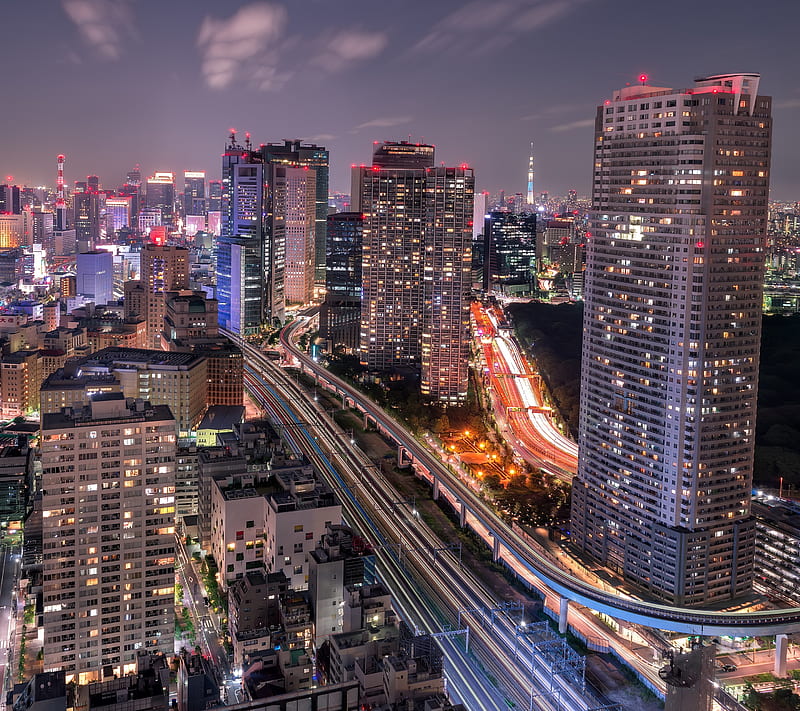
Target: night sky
point(111, 83)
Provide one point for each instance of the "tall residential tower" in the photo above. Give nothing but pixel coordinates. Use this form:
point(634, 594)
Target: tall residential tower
point(672, 327)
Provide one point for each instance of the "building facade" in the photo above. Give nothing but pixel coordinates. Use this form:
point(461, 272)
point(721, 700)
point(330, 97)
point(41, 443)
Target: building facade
point(672, 328)
point(108, 484)
point(416, 266)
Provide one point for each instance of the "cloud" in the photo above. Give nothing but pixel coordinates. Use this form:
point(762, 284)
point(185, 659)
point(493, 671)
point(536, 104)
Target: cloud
point(583, 123)
point(483, 27)
point(385, 122)
point(103, 24)
point(321, 138)
point(786, 104)
point(348, 47)
point(253, 46)
point(246, 46)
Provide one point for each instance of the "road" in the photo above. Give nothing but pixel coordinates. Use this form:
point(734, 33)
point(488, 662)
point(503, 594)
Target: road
point(9, 569)
point(518, 401)
point(541, 571)
point(206, 623)
point(429, 584)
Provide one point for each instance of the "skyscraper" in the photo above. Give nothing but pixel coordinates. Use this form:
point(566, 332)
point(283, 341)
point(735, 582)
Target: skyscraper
point(87, 206)
point(672, 328)
point(315, 157)
point(194, 193)
point(417, 251)
point(243, 293)
point(108, 535)
point(447, 283)
point(10, 200)
point(509, 248)
point(391, 196)
point(163, 268)
point(340, 315)
point(160, 195)
point(297, 186)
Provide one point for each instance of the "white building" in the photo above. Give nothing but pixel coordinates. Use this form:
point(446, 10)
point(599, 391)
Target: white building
point(297, 515)
point(672, 328)
point(237, 530)
point(108, 484)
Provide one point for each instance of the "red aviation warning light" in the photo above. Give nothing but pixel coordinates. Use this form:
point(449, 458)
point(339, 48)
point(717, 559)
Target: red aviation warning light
point(643, 79)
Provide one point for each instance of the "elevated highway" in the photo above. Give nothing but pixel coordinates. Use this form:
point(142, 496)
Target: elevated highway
point(543, 573)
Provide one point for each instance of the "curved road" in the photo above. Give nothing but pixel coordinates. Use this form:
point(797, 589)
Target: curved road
point(544, 572)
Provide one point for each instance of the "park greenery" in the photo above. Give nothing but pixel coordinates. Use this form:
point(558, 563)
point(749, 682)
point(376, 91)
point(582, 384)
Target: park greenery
point(522, 494)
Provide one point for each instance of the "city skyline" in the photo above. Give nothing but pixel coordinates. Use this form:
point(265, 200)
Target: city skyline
point(110, 84)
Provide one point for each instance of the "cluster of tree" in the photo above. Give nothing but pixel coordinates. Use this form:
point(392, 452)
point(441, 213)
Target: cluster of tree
point(530, 499)
point(779, 700)
point(552, 333)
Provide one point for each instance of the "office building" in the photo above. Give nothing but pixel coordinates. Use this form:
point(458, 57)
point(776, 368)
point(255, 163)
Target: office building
point(315, 158)
point(87, 208)
point(119, 211)
point(194, 192)
point(12, 231)
point(164, 268)
point(340, 314)
point(10, 203)
point(160, 196)
point(251, 255)
point(509, 265)
point(297, 187)
point(416, 266)
point(215, 196)
point(95, 280)
point(672, 328)
point(108, 577)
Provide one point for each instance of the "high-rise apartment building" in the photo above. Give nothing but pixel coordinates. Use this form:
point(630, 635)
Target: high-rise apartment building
point(108, 502)
point(417, 252)
point(391, 196)
point(447, 283)
point(214, 195)
point(672, 328)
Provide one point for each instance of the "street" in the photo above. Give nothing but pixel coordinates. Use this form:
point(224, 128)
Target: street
point(9, 567)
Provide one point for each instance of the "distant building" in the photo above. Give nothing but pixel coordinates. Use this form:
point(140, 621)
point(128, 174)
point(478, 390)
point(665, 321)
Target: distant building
point(96, 276)
point(509, 253)
point(340, 314)
point(160, 196)
point(194, 193)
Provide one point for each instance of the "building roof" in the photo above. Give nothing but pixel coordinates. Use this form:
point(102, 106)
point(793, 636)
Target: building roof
point(222, 417)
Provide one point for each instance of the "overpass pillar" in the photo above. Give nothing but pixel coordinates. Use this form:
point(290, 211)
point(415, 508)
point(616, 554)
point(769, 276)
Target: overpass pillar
point(496, 548)
point(781, 648)
point(462, 516)
point(435, 488)
point(563, 612)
